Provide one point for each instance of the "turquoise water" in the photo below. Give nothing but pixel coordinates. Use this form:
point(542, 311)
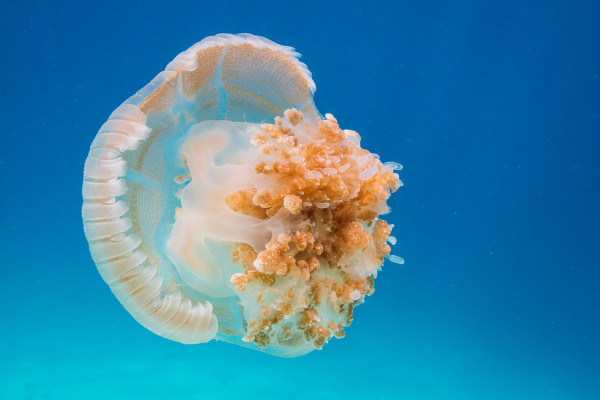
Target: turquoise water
point(492, 107)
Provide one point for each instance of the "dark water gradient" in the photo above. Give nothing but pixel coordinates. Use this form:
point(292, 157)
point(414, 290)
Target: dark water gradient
point(494, 109)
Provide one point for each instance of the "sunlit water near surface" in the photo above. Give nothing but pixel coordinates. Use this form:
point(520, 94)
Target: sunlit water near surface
point(494, 110)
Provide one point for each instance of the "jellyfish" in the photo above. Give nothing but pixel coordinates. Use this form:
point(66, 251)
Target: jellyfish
point(220, 204)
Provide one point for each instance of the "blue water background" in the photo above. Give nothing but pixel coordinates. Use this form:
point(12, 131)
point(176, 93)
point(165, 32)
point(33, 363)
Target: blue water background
point(493, 107)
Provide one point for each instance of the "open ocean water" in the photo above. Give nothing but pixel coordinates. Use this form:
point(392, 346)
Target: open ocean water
point(493, 108)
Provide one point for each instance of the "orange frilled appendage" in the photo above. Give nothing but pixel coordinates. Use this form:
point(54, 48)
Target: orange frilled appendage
point(340, 189)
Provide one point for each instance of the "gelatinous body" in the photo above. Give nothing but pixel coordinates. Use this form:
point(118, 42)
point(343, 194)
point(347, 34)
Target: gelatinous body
point(218, 203)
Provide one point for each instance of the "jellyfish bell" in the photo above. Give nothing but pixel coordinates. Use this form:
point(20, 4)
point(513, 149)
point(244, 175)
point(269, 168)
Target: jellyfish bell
point(219, 204)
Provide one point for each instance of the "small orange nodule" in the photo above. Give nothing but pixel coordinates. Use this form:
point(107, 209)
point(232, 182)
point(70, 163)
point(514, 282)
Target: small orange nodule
point(292, 203)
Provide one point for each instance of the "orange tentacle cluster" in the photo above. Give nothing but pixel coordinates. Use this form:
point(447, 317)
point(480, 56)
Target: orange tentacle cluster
point(307, 281)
